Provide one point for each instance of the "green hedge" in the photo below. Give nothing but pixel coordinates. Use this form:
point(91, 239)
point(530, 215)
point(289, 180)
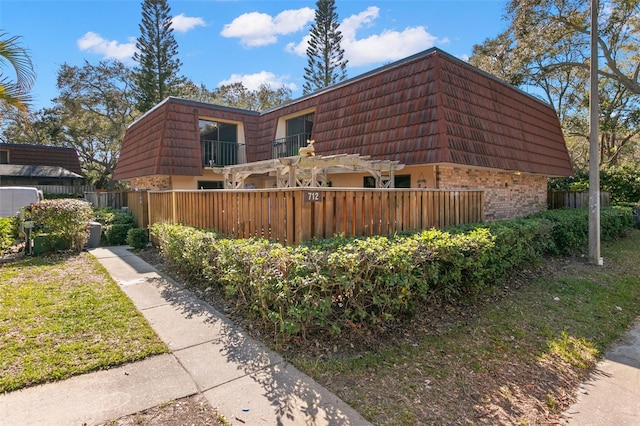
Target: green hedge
point(62, 219)
point(137, 237)
point(8, 233)
point(324, 286)
point(570, 231)
point(115, 225)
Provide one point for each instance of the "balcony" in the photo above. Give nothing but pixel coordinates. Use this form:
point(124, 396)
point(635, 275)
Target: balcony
point(289, 146)
point(221, 153)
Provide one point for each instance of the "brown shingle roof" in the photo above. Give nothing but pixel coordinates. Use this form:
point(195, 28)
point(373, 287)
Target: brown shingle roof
point(40, 155)
point(166, 140)
point(32, 171)
point(426, 109)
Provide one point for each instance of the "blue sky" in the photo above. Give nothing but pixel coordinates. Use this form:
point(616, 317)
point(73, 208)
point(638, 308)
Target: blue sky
point(223, 41)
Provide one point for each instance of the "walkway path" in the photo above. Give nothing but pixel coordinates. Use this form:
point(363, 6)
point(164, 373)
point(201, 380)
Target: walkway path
point(246, 382)
point(612, 395)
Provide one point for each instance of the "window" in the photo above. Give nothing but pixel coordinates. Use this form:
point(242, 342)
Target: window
point(302, 125)
point(219, 143)
point(4, 157)
point(399, 181)
point(210, 184)
point(298, 131)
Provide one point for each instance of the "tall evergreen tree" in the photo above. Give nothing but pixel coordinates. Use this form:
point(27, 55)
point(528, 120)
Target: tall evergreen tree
point(325, 58)
point(157, 73)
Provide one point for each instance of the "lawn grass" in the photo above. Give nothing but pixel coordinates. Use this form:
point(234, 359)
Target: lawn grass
point(63, 315)
point(512, 358)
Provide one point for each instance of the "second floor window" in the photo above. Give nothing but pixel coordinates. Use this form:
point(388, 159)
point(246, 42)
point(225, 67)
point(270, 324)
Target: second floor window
point(219, 143)
point(216, 131)
point(302, 125)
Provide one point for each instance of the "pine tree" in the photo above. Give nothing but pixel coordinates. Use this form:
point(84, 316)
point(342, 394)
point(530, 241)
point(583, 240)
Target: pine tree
point(325, 58)
point(157, 73)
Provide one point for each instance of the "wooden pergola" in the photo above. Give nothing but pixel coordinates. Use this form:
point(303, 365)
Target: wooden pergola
point(311, 171)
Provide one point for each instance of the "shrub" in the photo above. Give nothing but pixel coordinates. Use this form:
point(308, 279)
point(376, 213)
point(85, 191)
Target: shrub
point(8, 233)
point(64, 218)
point(61, 195)
point(570, 227)
point(110, 216)
point(366, 284)
point(116, 234)
point(137, 237)
point(623, 183)
point(115, 225)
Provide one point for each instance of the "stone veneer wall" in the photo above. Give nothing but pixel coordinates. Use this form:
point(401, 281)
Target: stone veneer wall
point(507, 195)
point(158, 183)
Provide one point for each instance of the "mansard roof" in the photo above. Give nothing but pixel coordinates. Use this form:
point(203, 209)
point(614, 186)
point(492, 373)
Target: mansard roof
point(430, 108)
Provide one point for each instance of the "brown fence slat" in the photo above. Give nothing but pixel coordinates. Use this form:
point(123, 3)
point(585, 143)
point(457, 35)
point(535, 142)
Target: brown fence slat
point(285, 216)
point(574, 200)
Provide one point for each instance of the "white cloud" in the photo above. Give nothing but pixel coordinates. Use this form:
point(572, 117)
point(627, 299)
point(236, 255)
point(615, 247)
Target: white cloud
point(109, 49)
point(387, 45)
point(350, 25)
point(254, 81)
point(260, 29)
point(299, 48)
point(182, 23)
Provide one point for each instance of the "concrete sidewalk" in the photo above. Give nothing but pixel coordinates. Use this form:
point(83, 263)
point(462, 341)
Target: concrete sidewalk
point(246, 382)
point(612, 395)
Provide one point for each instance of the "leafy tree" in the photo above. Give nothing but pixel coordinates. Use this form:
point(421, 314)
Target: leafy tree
point(95, 105)
point(29, 127)
point(94, 108)
point(191, 91)
point(268, 97)
point(325, 57)
point(236, 95)
point(15, 93)
point(157, 73)
point(546, 49)
point(623, 183)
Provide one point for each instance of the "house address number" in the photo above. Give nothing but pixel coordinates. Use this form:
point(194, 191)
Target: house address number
point(313, 196)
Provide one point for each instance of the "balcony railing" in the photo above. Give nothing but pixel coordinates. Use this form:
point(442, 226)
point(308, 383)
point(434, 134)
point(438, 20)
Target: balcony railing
point(289, 146)
point(222, 153)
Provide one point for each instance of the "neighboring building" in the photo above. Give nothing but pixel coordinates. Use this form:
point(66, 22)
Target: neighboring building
point(451, 125)
point(22, 164)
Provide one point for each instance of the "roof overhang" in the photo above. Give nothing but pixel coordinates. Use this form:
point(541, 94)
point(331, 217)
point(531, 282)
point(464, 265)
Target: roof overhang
point(56, 172)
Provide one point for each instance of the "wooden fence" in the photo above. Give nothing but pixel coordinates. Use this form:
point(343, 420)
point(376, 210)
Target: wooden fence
point(291, 216)
point(138, 205)
point(65, 189)
point(115, 200)
point(573, 200)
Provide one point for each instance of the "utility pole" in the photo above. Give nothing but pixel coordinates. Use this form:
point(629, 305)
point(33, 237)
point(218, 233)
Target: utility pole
point(594, 151)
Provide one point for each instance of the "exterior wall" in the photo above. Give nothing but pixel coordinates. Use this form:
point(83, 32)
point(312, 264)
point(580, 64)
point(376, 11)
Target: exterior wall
point(507, 195)
point(421, 177)
point(160, 183)
point(191, 182)
point(186, 182)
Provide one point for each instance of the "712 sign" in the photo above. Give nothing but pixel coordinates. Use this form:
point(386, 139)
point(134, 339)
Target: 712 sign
point(312, 196)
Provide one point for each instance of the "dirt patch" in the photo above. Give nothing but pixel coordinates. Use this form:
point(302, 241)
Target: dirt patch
point(194, 410)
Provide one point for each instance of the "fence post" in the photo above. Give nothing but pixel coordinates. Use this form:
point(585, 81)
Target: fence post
point(174, 207)
point(149, 209)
